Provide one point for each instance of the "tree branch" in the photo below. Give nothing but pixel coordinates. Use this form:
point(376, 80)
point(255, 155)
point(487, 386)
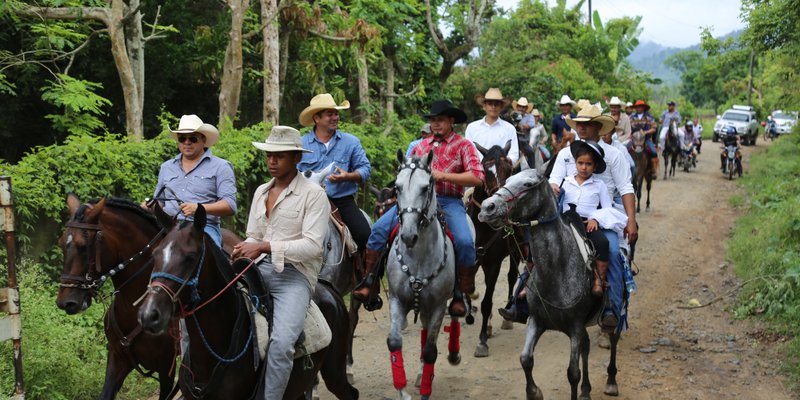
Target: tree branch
point(131, 13)
point(407, 94)
point(342, 39)
point(281, 6)
point(436, 34)
point(67, 13)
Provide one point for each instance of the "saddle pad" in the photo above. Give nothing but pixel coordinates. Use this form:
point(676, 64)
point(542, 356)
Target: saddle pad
point(582, 246)
point(347, 238)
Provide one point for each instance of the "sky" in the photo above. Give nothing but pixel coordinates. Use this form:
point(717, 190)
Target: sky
point(673, 23)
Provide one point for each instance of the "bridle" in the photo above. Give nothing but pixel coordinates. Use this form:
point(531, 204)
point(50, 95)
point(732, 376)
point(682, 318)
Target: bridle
point(157, 286)
point(513, 196)
point(424, 215)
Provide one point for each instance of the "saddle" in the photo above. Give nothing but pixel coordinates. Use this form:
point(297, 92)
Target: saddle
point(573, 220)
point(344, 232)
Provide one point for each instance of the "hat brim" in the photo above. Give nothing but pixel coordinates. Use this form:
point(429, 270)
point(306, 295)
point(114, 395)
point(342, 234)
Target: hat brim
point(514, 105)
point(210, 132)
point(645, 105)
point(480, 99)
point(459, 116)
point(307, 115)
point(601, 163)
point(607, 122)
point(278, 147)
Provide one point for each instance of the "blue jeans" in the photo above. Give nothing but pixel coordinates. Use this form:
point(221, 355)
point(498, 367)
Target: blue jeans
point(454, 213)
point(615, 278)
point(291, 293)
point(213, 231)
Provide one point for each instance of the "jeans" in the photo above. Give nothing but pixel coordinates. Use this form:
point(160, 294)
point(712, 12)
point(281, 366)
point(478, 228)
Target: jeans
point(456, 216)
point(291, 293)
point(615, 278)
point(213, 231)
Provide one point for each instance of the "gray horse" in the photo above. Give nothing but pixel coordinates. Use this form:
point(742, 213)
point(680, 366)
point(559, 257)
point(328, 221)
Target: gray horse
point(421, 273)
point(558, 285)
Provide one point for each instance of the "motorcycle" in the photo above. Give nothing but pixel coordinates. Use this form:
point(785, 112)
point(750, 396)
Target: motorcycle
point(688, 158)
point(731, 163)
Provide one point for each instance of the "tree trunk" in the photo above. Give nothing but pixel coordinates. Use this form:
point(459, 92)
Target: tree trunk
point(232, 70)
point(271, 57)
point(471, 33)
point(134, 39)
point(389, 65)
point(284, 62)
point(363, 85)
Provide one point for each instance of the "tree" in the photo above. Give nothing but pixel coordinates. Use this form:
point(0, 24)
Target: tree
point(466, 19)
point(232, 68)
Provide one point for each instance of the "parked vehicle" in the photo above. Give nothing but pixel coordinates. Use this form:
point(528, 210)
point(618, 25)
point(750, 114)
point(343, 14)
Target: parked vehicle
point(741, 118)
point(785, 121)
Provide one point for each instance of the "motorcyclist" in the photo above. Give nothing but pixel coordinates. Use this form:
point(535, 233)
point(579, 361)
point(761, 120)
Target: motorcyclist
point(687, 139)
point(731, 139)
point(771, 129)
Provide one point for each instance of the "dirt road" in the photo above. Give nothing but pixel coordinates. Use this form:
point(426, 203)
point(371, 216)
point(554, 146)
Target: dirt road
point(694, 354)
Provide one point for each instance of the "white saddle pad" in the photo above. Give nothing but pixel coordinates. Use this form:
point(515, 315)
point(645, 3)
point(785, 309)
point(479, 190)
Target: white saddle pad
point(582, 246)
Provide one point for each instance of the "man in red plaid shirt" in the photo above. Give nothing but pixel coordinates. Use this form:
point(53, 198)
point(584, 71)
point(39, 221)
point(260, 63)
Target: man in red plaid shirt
point(456, 165)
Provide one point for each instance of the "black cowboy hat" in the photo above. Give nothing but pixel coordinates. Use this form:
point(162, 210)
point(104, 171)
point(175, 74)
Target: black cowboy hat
point(445, 107)
point(594, 149)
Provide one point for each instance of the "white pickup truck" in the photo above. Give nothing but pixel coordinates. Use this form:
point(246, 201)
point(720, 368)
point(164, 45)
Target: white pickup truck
point(743, 119)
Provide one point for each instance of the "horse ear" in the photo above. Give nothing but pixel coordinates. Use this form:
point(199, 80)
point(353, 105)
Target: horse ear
point(94, 213)
point(480, 149)
point(401, 157)
point(164, 219)
point(200, 218)
point(73, 203)
point(429, 158)
point(507, 147)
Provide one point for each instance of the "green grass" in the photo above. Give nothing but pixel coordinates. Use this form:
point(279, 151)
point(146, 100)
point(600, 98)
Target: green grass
point(765, 246)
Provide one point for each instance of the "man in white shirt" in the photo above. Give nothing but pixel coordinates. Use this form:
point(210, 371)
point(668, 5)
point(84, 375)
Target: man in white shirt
point(491, 130)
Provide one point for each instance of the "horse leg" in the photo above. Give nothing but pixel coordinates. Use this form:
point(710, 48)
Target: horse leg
point(166, 385)
point(430, 351)
point(454, 342)
point(576, 343)
point(586, 386)
point(117, 369)
point(395, 343)
point(611, 388)
point(649, 185)
point(513, 277)
point(532, 392)
point(491, 271)
point(355, 305)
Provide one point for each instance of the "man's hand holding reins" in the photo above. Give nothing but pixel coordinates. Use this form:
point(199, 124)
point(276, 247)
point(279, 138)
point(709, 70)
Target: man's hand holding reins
point(251, 250)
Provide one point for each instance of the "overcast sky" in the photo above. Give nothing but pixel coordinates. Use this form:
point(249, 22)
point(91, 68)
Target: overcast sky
point(673, 23)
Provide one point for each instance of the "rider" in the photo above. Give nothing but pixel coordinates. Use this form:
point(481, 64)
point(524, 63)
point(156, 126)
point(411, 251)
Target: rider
point(771, 128)
point(731, 138)
point(330, 145)
point(285, 236)
point(698, 135)
point(629, 109)
point(455, 165)
point(539, 134)
point(424, 132)
point(491, 130)
point(559, 125)
point(686, 137)
point(623, 127)
point(525, 122)
point(643, 121)
point(197, 176)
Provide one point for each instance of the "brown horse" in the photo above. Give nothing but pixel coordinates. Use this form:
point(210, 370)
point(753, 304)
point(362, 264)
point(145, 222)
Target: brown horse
point(222, 363)
point(644, 169)
point(672, 150)
point(492, 246)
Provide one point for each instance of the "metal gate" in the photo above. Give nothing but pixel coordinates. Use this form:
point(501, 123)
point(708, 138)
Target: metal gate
point(11, 324)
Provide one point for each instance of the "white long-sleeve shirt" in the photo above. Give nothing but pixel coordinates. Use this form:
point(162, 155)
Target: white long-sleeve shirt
point(617, 175)
point(496, 134)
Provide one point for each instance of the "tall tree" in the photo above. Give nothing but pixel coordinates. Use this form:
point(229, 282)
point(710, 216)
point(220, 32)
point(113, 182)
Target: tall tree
point(467, 20)
point(232, 69)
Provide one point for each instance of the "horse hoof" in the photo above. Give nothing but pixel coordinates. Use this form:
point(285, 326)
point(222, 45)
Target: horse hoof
point(314, 394)
point(454, 358)
point(603, 342)
point(425, 397)
point(470, 319)
point(585, 397)
point(418, 381)
point(481, 351)
point(611, 390)
point(350, 377)
point(507, 325)
point(535, 394)
point(475, 295)
point(404, 395)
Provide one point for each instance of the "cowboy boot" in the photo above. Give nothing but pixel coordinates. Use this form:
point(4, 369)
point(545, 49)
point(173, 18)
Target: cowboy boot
point(466, 285)
point(599, 278)
point(364, 288)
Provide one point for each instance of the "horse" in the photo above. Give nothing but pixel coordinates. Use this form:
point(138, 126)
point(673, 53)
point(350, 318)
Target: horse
point(110, 239)
point(421, 273)
point(644, 169)
point(558, 286)
point(385, 198)
point(221, 363)
point(492, 246)
point(672, 149)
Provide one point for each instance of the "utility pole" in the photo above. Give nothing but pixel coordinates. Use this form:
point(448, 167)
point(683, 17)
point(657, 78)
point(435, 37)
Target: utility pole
point(750, 81)
point(589, 20)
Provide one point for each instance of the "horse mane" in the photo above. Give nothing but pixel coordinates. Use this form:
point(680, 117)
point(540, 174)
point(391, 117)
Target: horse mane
point(119, 203)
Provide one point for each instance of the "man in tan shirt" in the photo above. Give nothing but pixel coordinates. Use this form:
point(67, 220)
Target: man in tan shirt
point(623, 126)
point(285, 234)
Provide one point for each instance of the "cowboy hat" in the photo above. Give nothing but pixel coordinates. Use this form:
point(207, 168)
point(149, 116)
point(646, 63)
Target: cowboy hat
point(641, 103)
point(193, 124)
point(629, 105)
point(615, 101)
point(282, 138)
point(536, 112)
point(565, 100)
point(445, 107)
point(320, 102)
point(593, 113)
point(492, 94)
point(594, 149)
point(523, 101)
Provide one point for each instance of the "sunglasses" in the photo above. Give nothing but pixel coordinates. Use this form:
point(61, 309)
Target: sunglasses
point(191, 138)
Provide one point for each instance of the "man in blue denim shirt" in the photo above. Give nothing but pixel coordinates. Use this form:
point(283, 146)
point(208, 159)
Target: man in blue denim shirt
point(330, 145)
point(196, 176)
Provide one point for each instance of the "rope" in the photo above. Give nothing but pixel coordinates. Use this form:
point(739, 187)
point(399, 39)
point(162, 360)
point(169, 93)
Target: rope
point(236, 278)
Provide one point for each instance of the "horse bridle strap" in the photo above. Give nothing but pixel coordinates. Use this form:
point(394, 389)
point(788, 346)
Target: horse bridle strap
point(183, 282)
point(83, 225)
point(424, 219)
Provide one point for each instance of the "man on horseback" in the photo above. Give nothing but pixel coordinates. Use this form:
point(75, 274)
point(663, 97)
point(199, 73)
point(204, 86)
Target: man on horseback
point(524, 122)
point(455, 166)
point(329, 145)
point(623, 126)
point(197, 176)
point(285, 234)
point(644, 122)
point(539, 135)
point(424, 132)
point(559, 125)
point(491, 130)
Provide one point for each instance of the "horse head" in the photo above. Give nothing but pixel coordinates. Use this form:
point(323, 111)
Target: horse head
point(525, 196)
point(318, 177)
point(384, 198)
point(416, 197)
point(497, 166)
point(177, 263)
point(638, 138)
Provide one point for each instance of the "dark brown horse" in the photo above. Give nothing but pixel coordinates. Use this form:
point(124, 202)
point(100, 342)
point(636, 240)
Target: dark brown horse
point(644, 169)
point(492, 246)
point(672, 150)
point(221, 362)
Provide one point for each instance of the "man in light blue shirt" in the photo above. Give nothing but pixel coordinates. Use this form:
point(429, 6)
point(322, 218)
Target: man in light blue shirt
point(330, 145)
point(196, 176)
point(424, 132)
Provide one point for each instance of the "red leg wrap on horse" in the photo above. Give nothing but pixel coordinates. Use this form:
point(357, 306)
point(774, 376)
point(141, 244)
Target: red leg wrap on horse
point(454, 342)
point(426, 385)
point(398, 370)
point(423, 337)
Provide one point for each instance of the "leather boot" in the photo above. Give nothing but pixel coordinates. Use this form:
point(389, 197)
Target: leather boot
point(363, 291)
point(466, 286)
point(600, 278)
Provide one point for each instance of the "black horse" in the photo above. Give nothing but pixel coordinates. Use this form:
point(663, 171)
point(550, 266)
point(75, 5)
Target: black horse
point(221, 362)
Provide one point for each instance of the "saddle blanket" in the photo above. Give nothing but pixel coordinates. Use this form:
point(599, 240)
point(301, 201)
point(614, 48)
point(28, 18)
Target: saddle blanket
point(317, 333)
point(583, 246)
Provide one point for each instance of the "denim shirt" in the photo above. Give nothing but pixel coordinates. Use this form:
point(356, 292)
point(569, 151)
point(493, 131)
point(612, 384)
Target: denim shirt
point(209, 181)
point(345, 152)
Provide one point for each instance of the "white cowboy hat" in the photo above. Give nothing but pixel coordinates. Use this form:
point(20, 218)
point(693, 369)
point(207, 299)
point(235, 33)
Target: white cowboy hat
point(615, 101)
point(593, 113)
point(282, 138)
point(523, 101)
point(628, 105)
point(565, 100)
point(193, 124)
point(492, 94)
point(536, 112)
point(320, 102)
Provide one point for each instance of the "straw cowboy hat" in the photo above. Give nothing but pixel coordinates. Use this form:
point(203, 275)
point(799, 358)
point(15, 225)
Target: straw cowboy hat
point(193, 124)
point(282, 138)
point(565, 100)
point(594, 149)
point(641, 103)
point(523, 101)
point(584, 103)
point(593, 113)
point(445, 107)
point(320, 102)
point(615, 101)
point(492, 94)
point(536, 113)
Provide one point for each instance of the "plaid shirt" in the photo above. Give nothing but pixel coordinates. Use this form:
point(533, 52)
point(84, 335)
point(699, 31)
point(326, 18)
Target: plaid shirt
point(453, 154)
